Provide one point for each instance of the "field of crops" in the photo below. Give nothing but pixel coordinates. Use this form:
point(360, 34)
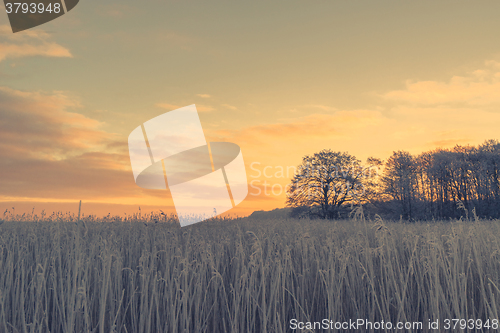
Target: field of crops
point(243, 275)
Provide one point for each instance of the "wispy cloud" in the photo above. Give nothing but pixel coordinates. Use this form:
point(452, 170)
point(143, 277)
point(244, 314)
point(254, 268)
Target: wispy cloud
point(204, 95)
point(28, 43)
point(319, 106)
point(477, 88)
point(231, 107)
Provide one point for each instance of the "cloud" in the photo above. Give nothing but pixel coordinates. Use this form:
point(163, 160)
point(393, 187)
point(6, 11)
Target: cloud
point(25, 50)
point(478, 88)
point(28, 43)
point(231, 107)
point(448, 143)
point(204, 95)
point(319, 106)
point(430, 114)
point(40, 123)
point(35, 121)
point(49, 151)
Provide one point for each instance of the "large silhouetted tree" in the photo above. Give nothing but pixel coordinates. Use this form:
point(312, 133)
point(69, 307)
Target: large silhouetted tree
point(324, 182)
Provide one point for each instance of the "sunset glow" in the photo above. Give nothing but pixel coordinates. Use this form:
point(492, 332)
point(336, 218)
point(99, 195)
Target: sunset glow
point(280, 79)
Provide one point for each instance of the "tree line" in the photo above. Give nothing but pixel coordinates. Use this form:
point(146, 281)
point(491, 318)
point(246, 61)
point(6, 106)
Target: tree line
point(437, 184)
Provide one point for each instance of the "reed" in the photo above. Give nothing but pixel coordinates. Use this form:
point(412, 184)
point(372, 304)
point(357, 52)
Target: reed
point(130, 274)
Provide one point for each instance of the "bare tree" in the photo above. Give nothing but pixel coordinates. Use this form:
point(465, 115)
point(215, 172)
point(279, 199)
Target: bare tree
point(324, 182)
point(399, 180)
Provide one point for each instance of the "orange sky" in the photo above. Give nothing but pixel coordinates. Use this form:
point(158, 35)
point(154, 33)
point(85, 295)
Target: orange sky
point(281, 80)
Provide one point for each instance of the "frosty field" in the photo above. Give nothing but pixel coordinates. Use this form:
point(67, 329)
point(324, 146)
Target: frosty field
point(244, 275)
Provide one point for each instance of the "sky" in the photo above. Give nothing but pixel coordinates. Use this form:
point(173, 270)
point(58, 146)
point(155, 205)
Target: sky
point(281, 79)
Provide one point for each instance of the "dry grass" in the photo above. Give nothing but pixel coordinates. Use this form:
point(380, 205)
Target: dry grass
point(244, 275)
